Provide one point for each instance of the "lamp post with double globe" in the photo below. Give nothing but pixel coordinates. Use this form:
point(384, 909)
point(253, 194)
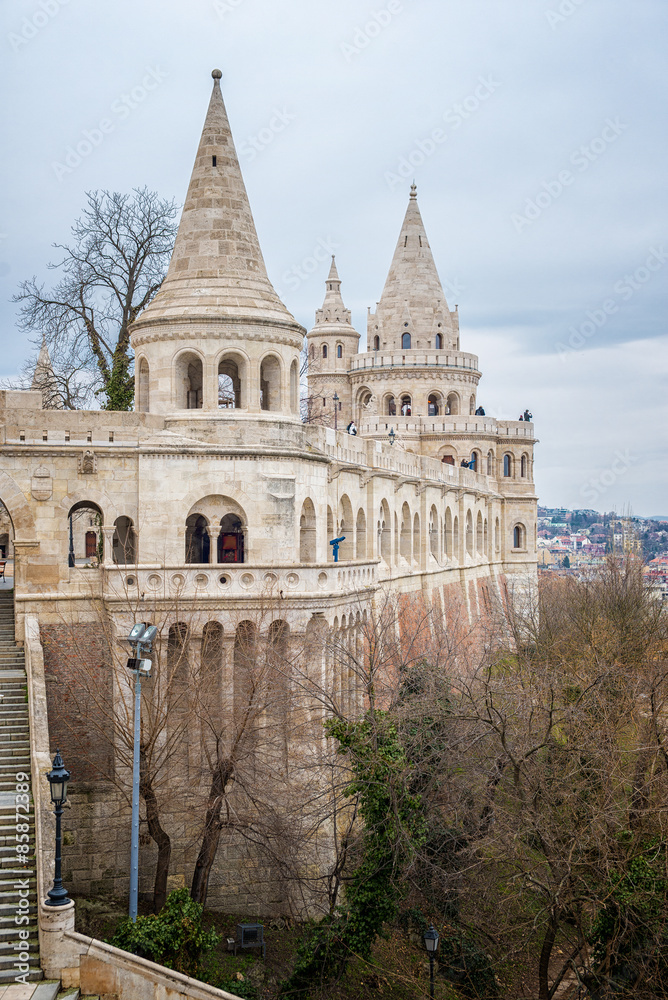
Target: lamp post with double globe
point(58, 778)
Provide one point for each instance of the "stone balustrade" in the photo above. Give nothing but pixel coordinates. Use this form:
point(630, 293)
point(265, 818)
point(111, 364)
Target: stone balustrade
point(238, 580)
point(375, 360)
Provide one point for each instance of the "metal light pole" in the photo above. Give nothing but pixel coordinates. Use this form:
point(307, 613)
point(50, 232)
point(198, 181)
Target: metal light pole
point(58, 778)
point(70, 560)
point(336, 408)
point(141, 638)
point(431, 944)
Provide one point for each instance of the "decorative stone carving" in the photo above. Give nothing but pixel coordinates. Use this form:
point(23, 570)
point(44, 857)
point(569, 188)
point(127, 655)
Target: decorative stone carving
point(88, 463)
point(41, 484)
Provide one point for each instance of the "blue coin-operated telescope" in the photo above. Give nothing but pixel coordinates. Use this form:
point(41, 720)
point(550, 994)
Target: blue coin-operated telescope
point(335, 542)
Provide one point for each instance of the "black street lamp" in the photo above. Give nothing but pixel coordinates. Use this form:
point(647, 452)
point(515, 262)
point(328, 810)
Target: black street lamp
point(58, 779)
point(336, 408)
point(431, 944)
point(71, 561)
point(392, 436)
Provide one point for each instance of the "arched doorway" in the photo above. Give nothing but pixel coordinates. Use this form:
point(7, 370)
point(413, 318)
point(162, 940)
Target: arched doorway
point(124, 541)
point(85, 533)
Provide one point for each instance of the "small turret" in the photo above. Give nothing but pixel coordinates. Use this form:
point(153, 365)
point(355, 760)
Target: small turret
point(331, 344)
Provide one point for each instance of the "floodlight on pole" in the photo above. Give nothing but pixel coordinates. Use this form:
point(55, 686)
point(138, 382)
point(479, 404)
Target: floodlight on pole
point(141, 638)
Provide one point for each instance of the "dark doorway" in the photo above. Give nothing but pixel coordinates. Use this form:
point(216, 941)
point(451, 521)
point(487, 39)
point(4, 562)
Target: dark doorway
point(231, 540)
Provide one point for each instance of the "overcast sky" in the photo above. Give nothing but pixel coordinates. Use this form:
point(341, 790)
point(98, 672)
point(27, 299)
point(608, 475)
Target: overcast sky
point(536, 133)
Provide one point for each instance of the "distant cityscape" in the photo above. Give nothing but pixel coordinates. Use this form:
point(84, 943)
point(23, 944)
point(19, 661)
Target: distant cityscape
point(571, 542)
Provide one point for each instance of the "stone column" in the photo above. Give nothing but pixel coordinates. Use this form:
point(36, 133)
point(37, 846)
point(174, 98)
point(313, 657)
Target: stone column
point(213, 532)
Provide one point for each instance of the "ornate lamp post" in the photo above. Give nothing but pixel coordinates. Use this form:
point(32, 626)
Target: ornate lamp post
point(58, 778)
point(392, 436)
point(336, 413)
point(70, 557)
point(431, 944)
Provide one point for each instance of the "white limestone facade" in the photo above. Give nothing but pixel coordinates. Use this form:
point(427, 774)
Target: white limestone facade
point(214, 492)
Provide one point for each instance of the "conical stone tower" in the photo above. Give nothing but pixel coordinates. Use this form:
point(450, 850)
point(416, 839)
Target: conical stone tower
point(216, 337)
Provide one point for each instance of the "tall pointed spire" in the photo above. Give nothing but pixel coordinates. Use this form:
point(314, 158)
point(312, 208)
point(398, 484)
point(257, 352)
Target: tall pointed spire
point(217, 268)
point(333, 311)
point(413, 292)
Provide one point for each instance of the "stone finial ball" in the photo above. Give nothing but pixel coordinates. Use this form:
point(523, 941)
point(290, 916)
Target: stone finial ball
point(216, 74)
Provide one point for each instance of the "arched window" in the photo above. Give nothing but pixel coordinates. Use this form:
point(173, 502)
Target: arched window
point(490, 463)
point(405, 341)
point(434, 405)
point(448, 533)
point(360, 535)
point(469, 533)
point(346, 528)
point(385, 533)
point(472, 405)
point(324, 350)
point(231, 373)
point(452, 405)
point(143, 386)
point(391, 406)
point(406, 406)
point(479, 534)
point(231, 540)
point(339, 350)
point(439, 341)
point(270, 384)
point(433, 532)
point(507, 465)
point(405, 533)
point(294, 387)
point(198, 543)
point(177, 649)
point(519, 536)
point(449, 459)
point(473, 462)
point(246, 689)
point(124, 541)
point(376, 343)
point(307, 533)
point(189, 381)
point(523, 467)
point(417, 548)
point(85, 533)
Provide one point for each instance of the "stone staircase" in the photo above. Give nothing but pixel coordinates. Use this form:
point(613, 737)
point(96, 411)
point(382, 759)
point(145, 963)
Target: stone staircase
point(15, 878)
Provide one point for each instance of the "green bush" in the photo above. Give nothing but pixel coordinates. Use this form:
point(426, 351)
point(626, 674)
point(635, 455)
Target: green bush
point(174, 938)
point(466, 965)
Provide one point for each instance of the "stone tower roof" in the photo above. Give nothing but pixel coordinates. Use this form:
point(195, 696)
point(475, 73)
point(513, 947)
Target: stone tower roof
point(333, 311)
point(413, 293)
point(217, 270)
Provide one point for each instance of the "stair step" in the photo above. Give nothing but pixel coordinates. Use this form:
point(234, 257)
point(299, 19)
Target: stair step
point(50, 989)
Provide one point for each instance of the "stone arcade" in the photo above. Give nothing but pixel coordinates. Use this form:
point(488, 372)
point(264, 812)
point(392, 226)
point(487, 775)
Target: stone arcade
point(214, 492)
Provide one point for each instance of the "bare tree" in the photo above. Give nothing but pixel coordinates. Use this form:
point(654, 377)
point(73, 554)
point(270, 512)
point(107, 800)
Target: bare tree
point(110, 272)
